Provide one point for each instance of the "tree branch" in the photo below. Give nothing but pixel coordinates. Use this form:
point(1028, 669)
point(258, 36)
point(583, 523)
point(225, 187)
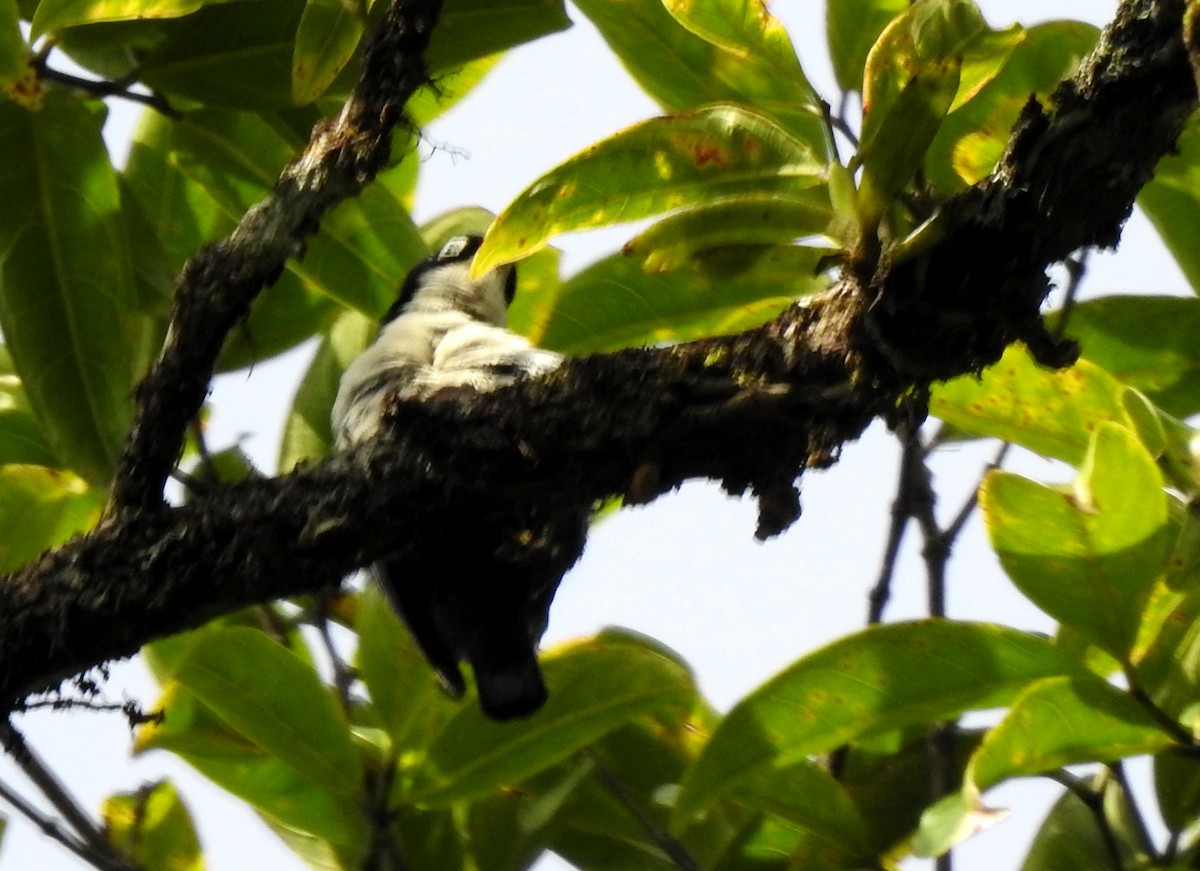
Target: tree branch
point(215, 290)
point(752, 411)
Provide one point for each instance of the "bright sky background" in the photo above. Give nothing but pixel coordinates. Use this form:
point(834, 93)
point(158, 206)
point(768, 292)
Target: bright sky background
point(686, 569)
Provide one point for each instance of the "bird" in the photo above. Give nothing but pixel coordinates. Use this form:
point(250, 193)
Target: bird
point(480, 590)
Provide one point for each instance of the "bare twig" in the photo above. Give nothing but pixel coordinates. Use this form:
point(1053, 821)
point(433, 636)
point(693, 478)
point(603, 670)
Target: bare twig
point(103, 88)
point(664, 840)
point(43, 778)
point(1093, 800)
point(51, 829)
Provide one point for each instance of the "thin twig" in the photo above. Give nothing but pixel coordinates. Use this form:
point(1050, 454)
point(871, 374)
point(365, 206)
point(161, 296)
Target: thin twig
point(52, 830)
point(343, 675)
point(1094, 802)
point(104, 88)
point(43, 778)
point(1139, 823)
point(1076, 270)
point(663, 839)
point(383, 846)
point(877, 599)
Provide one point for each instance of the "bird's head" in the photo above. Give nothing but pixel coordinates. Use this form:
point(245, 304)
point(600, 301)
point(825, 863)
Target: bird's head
point(443, 282)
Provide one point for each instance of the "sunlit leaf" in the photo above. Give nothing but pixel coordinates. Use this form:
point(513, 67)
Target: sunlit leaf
point(54, 15)
point(1089, 554)
point(152, 827)
point(912, 76)
point(724, 50)
point(1148, 342)
point(1052, 412)
point(595, 686)
point(65, 280)
point(882, 678)
point(275, 700)
point(650, 168)
point(41, 508)
point(973, 135)
point(1056, 722)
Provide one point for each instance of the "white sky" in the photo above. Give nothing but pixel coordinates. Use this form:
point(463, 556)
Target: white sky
point(686, 569)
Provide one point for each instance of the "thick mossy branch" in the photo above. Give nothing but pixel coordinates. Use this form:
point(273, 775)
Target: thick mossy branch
point(218, 284)
point(752, 411)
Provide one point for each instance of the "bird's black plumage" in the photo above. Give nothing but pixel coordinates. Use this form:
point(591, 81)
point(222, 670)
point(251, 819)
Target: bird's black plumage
point(479, 588)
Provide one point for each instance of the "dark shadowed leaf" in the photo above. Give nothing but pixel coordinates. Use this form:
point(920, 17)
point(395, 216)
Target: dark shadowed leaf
point(595, 686)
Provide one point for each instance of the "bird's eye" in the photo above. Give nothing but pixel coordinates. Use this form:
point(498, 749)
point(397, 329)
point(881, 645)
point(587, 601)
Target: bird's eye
point(460, 248)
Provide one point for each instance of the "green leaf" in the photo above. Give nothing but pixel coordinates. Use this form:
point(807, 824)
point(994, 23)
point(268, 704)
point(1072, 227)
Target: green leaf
point(1068, 838)
point(284, 796)
point(649, 168)
point(326, 39)
point(713, 51)
point(769, 77)
point(54, 15)
point(1088, 555)
point(276, 701)
point(881, 678)
point(21, 436)
point(1171, 200)
point(595, 685)
point(472, 29)
point(403, 687)
point(41, 508)
point(808, 797)
point(306, 431)
point(974, 135)
point(66, 286)
point(430, 103)
point(614, 304)
point(15, 72)
point(751, 219)
point(1148, 342)
point(1061, 721)
point(851, 28)
point(1055, 722)
point(912, 76)
point(153, 829)
point(1051, 412)
point(1177, 787)
point(197, 177)
point(236, 54)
